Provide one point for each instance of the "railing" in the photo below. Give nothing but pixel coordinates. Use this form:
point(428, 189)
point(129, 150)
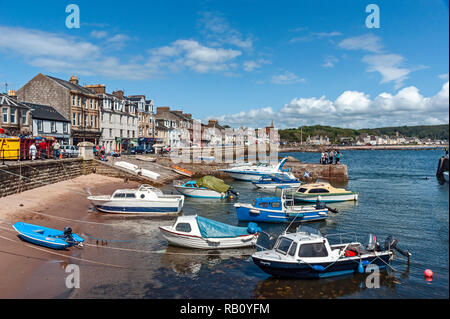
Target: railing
point(342, 234)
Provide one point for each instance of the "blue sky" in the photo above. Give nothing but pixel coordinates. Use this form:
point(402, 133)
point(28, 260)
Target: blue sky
point(245, 62)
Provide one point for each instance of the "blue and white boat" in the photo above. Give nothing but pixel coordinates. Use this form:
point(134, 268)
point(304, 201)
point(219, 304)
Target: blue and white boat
point(205, 187)
point(198, 232)
point(275, 180)
point(251, 173)
point(279, 209)
point(308, 254)
point(144, 200)
point(48, 237)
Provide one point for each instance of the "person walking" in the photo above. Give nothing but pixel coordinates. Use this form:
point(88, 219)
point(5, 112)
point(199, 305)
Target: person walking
point(43, 149)
point(330, 157)
point(33, 151)
point(338, 157)
point(56, 150)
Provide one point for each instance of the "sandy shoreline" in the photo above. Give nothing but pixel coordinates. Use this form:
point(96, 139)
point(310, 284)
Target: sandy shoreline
point(36, 272)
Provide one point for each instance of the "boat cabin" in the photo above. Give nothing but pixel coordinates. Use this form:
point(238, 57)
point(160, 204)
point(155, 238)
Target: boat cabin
point(285, 199)
point(144, 192)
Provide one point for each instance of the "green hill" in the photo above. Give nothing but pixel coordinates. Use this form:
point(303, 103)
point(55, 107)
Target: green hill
point(440, 132)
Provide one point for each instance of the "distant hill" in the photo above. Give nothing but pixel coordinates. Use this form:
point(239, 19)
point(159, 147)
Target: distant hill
point(440, 132)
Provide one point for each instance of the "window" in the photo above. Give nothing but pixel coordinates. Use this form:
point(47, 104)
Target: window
point(110, 132)
point(74, 118)
point(65, 128)
point(302, 190)
point(79, 101)
point(39, 125)
point(184, 227)
point(79, 121)
point(318, 191)
point(120, 195)
point(313, 250)
point(91, 103)
point(130, 195)
point(74, 100)
point(264, 205)
point(293, 249)
point(12, 116)
point(96, 121)
point(5, 114)
point(276, 204)
point(92, 120)
point(53, 126)
point(24, 117)
point(110, 118)
point(283, 245)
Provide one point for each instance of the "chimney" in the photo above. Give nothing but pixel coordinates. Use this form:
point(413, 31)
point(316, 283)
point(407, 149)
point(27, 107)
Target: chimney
point(118, 93)
point(178, 112)
point(161, 109)
point(12, 92)
point(188, 115)
point(97, 88)
point(74, 79)
point(212, 122)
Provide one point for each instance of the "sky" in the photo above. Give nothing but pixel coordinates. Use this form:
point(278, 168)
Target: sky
point(245, 62)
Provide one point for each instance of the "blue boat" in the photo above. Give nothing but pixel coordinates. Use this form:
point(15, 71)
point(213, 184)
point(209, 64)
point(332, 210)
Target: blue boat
point(48, 237)
point(279, 209)
point(274, 180)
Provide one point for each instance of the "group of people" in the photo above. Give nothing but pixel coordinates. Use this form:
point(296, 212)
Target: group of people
point(41, 149)
point(328, 157)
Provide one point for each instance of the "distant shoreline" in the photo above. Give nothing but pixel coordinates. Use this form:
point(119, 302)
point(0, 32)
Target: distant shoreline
point(318, 149)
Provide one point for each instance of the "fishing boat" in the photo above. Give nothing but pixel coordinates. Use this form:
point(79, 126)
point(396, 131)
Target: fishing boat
point(309, 193)
point(198, 232)
point(280, 209)
point(445, 175)
point(182, 171)
point(144, 200)
point(308, 254)
point(48, 237)
point(254, 172)
point(275, 180)
point(205, 187)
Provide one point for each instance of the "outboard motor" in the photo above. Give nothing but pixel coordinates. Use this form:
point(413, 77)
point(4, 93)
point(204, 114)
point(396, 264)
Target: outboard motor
point(391, 243)
point(372, 243)
point(68, 234)
point(232, 192)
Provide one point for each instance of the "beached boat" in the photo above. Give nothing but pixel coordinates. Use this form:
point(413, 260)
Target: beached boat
point(182, 171)
point(445, 175)
point(309, 193)
point(279, 209)
point(144, 200)
point(206, 187)
point(146, 158)
point(275, 180)
point(308, 254)
point(254, 172)
point(137, 170)
point(48, 237)
point(203, 233)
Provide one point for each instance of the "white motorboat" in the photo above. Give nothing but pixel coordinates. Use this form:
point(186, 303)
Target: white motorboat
point(137, 170)
point(198, 232)
point(205, 187)
point(252, 173)
point(144, 200)
point(275, 180)
point(445, 174)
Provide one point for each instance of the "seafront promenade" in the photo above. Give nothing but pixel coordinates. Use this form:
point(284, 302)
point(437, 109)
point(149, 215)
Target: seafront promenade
point(320, 148)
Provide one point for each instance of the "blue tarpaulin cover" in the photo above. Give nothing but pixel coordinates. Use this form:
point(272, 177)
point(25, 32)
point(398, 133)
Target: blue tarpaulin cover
point(214, 229)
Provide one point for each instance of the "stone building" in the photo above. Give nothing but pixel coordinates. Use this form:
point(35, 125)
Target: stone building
point(77, 103)
point(146, 116)
point(16, 116)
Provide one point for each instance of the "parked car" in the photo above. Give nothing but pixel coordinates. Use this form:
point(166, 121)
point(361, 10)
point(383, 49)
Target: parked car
point(69, 151)
point(150, 150)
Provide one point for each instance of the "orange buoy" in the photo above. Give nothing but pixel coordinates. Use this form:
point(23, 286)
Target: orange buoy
point(428, 274)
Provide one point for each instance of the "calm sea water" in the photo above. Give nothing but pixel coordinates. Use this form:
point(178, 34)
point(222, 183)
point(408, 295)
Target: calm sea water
point(398, 195)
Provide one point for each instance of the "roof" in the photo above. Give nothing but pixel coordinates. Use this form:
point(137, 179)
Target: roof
point(10, 101)
point(46, 112)
point(71, 86)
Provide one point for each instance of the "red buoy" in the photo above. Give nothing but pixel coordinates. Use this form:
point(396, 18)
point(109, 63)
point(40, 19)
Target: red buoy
point(428, 274)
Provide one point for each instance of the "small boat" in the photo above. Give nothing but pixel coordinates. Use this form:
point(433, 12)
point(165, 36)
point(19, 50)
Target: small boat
point(146, 158)
point(137, 170)
point(254, 172)
point(206, 187)
point(48, 237)
point(309, 193)
point(203, 233)
point(182, 171)
point(308, 254)
point(445, 175)
point(144, 200)
point(275, 180)
point(280, 209)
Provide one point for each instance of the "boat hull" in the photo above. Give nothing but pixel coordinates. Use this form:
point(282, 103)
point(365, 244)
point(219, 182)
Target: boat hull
point(189, 241)
point(141, 207)
point(249, 213)
point(275, 185)
point(326, 198)
point(446, 178)
point(246, 176)
point(303, 270)
point(198, 192)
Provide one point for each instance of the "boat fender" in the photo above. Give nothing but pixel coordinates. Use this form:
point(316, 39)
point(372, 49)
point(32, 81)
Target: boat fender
point(360, 268)
point(253, 228)
point(365, 263)
point(318, 268)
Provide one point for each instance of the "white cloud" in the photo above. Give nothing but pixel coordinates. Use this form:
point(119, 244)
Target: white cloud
point(251, 65)
point(99, 34)
point(443, 76)
point(330, 61)
point(352, 109)
point(327, 34)
point(286, 78)
point(389, 66)
point(366, 42)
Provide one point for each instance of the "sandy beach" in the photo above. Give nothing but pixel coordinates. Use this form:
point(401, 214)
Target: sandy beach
point(36, 272)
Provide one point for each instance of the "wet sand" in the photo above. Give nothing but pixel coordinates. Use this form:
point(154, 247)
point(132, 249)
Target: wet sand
point(30, 271)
